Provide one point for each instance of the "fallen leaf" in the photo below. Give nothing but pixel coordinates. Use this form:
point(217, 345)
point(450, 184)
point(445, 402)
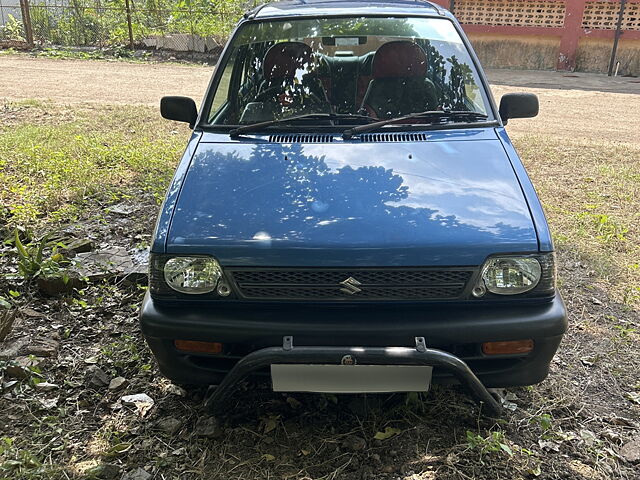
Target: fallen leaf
point(10, 384)
point(506, 448)
point(141, 401)
point(633, 397)
point(45, 386)
point(117, 450)
point(388, 433)
point(566, 436)
point(512, 406)
point(49, 403)
point(549, 445)
point(451, 459)
point(588, 437)
point(587, 362)
point(176, 390)
point(270, 423)
point(30, 312)
point(535, 471)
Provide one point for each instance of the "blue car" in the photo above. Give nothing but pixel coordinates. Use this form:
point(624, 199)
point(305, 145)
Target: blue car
point(350, 215)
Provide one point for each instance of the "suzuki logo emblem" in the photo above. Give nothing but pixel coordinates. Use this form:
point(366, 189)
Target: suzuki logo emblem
point(350, 286)
point(348, 360)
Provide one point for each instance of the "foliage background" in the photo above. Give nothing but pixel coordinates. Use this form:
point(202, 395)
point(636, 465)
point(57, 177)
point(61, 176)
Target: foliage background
point(104, 22)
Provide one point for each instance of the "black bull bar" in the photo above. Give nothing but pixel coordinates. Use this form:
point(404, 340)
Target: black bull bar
point(287, 354)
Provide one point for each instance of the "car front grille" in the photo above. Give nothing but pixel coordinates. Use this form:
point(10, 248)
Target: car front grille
point(349, 284)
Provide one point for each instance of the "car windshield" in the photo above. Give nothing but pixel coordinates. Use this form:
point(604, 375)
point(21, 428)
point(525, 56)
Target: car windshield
point(353, 70)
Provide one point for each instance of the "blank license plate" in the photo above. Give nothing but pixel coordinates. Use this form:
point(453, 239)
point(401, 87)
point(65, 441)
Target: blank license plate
point(350, 378)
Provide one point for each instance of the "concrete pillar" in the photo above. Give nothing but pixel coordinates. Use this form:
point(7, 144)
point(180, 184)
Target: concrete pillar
point(574, 10)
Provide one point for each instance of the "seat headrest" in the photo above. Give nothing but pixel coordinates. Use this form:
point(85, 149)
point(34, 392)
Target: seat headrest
point(282, 60)
point(399, 59)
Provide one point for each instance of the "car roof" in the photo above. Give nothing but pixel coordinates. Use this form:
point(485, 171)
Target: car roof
point(288, 8)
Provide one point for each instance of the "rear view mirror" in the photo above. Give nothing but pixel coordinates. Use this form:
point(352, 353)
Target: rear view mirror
point(181, 109)
point(518, 105)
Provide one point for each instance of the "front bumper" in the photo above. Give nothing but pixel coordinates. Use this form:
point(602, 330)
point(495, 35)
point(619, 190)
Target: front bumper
point(288, 354)
point(456, 329)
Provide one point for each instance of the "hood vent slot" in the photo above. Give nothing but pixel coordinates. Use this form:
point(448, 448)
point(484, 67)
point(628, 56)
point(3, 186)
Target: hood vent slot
point(393, 137)
point(363, 138)
point(301, 138)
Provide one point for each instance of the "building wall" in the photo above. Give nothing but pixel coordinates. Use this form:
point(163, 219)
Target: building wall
point(551, 34)
point(593, 56)
point(523, 52)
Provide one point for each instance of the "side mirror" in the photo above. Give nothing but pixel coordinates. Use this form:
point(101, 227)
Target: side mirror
point(518, 105)
point(181, 109)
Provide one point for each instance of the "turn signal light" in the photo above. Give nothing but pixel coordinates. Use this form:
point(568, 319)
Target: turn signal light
point(507, 348)
point(194, 346)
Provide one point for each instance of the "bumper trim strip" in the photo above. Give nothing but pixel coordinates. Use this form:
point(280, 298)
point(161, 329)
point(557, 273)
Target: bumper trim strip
point(420, 355)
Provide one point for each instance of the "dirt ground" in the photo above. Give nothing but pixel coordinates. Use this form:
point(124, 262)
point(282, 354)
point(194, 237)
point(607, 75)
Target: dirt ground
point(576, 425)
point(115, 82)
point(571, 104)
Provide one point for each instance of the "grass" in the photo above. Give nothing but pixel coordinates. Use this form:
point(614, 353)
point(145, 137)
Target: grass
point(59, 164)
point(71, 53)
point(591, 194)
point(49, 172)
point(119, 53)
point(111, 54)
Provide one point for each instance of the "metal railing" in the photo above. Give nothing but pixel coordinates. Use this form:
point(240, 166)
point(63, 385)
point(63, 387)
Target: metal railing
point(181, 25)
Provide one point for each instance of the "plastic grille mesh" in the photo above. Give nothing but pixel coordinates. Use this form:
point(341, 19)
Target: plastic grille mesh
point(365, 284)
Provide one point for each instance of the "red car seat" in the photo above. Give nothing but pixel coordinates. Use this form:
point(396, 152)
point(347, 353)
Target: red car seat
point(290, 77)
point(398, 84)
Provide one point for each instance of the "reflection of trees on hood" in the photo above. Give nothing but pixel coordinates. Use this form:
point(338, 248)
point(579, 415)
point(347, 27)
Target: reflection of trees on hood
point(289, 195)
point(288, 190)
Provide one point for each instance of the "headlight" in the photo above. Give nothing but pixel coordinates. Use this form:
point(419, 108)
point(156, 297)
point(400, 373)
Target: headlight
point(509, 275)
point(193, 275)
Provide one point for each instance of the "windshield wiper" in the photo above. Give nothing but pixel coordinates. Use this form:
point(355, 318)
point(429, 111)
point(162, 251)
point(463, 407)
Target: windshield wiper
point(434, 114)
point(252, 127)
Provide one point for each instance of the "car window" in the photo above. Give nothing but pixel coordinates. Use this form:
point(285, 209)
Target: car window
point(372, 66)
point(223, 87)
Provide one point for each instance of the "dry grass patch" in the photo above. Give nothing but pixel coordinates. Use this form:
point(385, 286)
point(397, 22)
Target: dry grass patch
point(591, 194)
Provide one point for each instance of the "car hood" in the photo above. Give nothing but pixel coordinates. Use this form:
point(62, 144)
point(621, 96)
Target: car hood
point(451, 199)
